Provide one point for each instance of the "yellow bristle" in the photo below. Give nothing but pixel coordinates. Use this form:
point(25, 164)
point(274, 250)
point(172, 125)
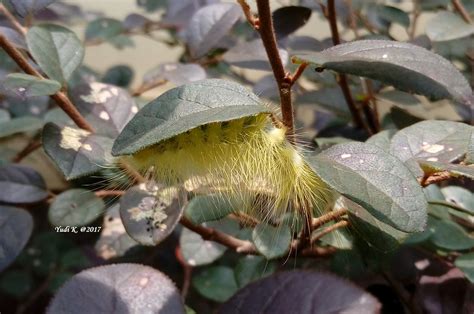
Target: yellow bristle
point(247, 159)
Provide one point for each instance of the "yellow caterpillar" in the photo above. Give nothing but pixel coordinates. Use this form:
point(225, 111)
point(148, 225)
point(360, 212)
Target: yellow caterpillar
point(247, 159)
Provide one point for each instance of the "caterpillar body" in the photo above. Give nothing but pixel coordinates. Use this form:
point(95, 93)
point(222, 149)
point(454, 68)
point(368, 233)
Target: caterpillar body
point(247, 159)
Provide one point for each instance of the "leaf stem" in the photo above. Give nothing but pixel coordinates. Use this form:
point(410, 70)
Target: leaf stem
point(332, 215)
point(331, 228)
point(60, 97)
point(434, 178)
point(459, 7)
point(248, 14)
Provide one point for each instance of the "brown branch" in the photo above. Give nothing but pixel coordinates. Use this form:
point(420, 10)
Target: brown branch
point(459, 7)
point(267, 33)
point(332, 215)
point(416, 15)
point(299, 71)
point(131, 172)
point(31, 147)
point(342, 81)
point(187, 272)
point(12, 20)
point(61, 99)
point(240, 246)
point(248, 14)
point(434, 178)
point(104, 193)
point(247, 247)
point(331, 228)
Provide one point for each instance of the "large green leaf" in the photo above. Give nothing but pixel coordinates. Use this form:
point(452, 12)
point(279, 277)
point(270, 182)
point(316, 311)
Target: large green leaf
point(57, 50)
point(272, 242)
point(76, 152)
point(75, 207)
point(441, 141)
point(25, 85)
point(150, 213)
point(203, 208)
point(16, 225)
point(301, 292)
point(449, 235)
point(184, 108)
point(375, 180)
point(21, 185)
point(466, 264)
point(118, 288)
point(20, 125)
point(216, 283)
point(405, 66)
point(448, 26)
point(107, 107)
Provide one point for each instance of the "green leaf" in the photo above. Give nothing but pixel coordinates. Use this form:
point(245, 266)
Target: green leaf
point(56, 49)
point(393, 15)
point(21, 185)
point(466, 264)
point(75, 207)
point(381, 236)
point(433, 195)
point(197, 251)
point(118, 288)
point(455, 170)
point(272, 242)
point(443, 141)
point(301, 292)
point(119, 75)
point(405, 66)
point(449, 235)
point(184, 108)
point(251, 268)
point(25, 7)
point(150, 213)
point(375, 180)
point(76, 152)
point(209, 25)
point(448, 26)
point(216, 283)
point(382, 139)
point(107, 107)
point(20, 125)
point(204, 208)
point(29, 86)
point(103, 29)
point(459, 196)
point(16, 225)
point(16, 283)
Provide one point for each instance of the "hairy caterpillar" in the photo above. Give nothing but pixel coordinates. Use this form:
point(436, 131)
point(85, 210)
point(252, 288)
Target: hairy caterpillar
point(247, 159)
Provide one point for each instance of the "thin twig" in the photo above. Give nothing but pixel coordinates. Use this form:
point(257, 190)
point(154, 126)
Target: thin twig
point(248, 14)
point(331, 228)
point(332, 215)
point(267, 33)
point(459, 7)
point(247, 247)
point(416, 15)
point(32, 146)
point(104, 193)
point(435, 178)
point(12, 20)
point(298, 72)
point(61, 99)
point(342, 81)
point(210, 234)
point(187, 273)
